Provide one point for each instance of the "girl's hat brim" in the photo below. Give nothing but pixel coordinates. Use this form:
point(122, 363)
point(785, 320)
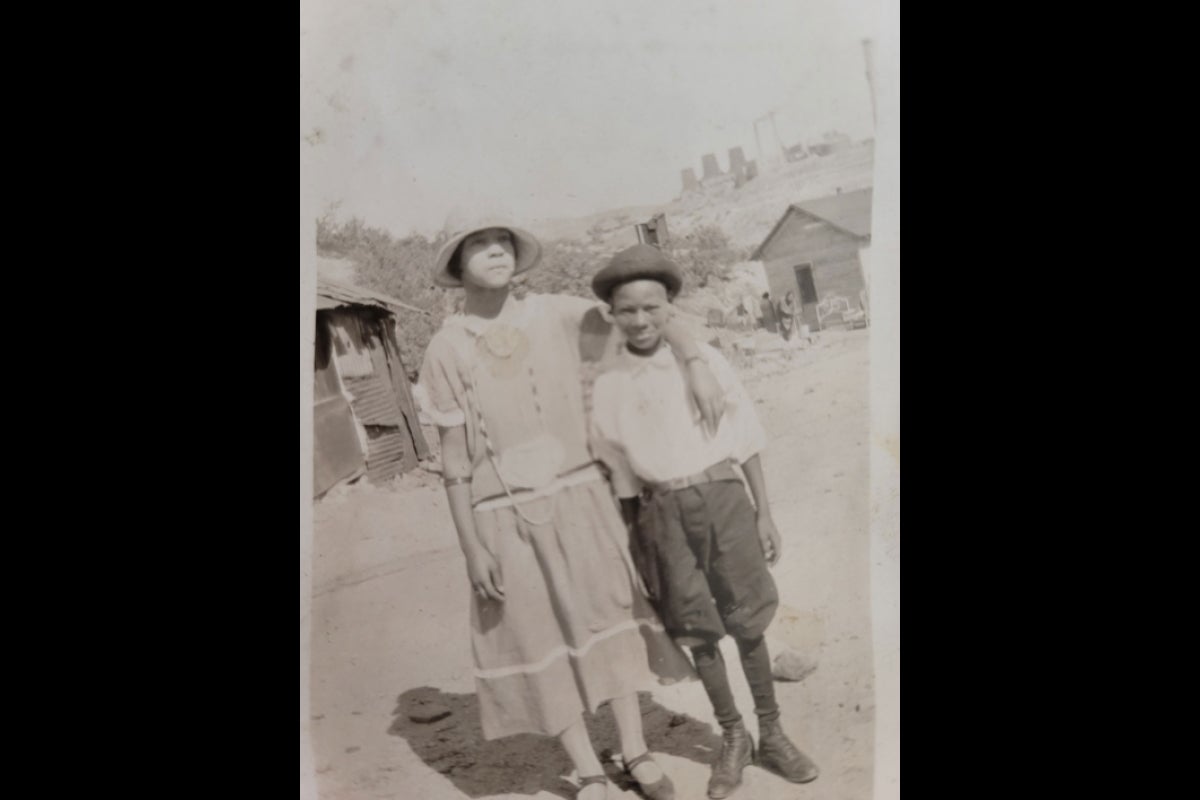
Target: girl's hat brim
point(528, 250)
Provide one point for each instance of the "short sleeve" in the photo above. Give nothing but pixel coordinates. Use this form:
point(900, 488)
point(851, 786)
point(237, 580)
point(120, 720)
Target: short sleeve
point(747, 434)
point(442, 385)
point(605, 443)
point(572, 309)
point(584, 323)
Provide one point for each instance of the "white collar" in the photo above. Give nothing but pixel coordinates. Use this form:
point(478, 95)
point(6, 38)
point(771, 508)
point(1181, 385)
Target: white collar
point(477, 325)
point(663, 358)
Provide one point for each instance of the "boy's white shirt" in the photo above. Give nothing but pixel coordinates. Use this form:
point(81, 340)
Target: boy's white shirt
point(646, 428)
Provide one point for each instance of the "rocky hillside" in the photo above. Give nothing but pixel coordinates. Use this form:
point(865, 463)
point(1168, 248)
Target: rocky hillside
point(745, 214)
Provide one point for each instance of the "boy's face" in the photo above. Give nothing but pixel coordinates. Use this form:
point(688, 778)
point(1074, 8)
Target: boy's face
point(488, 258)
point(640, 309)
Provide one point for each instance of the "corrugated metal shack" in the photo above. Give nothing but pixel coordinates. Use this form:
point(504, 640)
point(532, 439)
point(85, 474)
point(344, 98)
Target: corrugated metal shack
point(365, 420)
point(816, 250)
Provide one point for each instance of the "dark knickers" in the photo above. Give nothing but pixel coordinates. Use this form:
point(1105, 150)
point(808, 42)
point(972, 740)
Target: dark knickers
point(699, 554)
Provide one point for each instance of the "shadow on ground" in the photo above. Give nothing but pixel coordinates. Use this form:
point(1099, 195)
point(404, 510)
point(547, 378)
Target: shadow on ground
point(450, 741)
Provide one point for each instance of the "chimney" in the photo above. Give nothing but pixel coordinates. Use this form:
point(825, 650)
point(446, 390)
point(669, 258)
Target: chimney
point(690, 184)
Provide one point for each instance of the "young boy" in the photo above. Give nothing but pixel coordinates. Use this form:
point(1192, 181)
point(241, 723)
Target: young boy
point(701, 547)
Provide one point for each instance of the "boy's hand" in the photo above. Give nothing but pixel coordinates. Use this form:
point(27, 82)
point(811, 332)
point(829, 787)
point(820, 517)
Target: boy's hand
point(768, 536)
point(484, 573)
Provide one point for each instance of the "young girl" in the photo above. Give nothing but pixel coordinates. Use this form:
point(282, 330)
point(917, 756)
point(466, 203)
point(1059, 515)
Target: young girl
point(558, 623)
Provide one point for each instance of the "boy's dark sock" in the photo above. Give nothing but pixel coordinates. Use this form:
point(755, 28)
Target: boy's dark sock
point(711, 666)
point(756, 663)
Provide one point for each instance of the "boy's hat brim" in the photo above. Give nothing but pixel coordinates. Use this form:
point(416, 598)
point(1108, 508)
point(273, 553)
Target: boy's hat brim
point(528, 248)
point(640, 262)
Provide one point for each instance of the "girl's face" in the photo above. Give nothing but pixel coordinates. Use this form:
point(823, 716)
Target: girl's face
point(488, 258)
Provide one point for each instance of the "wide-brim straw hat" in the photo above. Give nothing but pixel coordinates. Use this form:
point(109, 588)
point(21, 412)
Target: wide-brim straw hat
point(460, 225)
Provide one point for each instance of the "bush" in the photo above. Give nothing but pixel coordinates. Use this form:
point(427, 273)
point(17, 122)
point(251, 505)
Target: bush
point(703, 254)
point(567, 268)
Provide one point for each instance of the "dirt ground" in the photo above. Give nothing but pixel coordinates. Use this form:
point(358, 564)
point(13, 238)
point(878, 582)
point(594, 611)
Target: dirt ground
point(390, 621)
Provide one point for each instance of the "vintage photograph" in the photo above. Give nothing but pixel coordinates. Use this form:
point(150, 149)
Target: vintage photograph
point(599, 400)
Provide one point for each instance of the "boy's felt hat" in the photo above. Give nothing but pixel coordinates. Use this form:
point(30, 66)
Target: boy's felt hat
point(640, 262)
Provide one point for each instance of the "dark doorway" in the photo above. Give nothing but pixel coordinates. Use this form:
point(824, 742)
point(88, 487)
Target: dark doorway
point(808, 295)
point(804, 279)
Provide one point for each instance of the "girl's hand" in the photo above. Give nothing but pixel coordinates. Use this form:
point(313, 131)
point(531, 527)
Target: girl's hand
point(484, 573)
point(706, 391)
point(709, 397)
point(768, 536)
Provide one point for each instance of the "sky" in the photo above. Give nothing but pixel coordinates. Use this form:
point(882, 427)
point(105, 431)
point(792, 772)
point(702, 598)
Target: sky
point(560, 109)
